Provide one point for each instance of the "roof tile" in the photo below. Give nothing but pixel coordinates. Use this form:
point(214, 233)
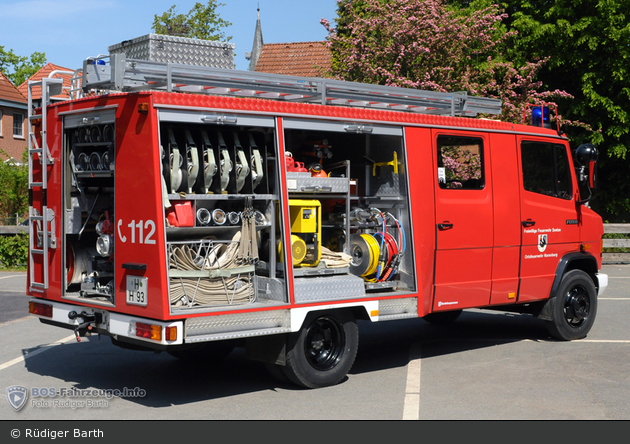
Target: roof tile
point(44, 72)
point(306, 59)
point(9, 92)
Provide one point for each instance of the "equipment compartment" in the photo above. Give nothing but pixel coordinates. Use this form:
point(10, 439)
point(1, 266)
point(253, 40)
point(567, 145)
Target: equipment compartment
point(220, 188)
point(358, 177)
point(89, 140)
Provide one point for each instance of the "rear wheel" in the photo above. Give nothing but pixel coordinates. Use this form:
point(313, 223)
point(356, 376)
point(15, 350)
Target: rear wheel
point(323, 351)
point(574, 307)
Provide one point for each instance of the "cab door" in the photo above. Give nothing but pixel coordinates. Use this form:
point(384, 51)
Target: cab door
point(549, 214)
point(464, 220)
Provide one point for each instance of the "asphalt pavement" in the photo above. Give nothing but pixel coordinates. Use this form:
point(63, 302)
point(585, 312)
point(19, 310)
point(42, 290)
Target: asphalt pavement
point(486, 366)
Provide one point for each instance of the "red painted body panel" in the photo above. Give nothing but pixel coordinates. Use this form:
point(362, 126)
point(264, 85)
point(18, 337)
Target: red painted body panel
point(475, 264)
point(506, 219)
point(421, 191)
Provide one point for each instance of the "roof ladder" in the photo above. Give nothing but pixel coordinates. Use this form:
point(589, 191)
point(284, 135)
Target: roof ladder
point(130, 75)
point(41, 218)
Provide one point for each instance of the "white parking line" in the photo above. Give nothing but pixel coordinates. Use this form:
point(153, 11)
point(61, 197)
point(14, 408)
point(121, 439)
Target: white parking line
point(39, 350)
point(411, 409)
point(605, 341)
point(12, 276)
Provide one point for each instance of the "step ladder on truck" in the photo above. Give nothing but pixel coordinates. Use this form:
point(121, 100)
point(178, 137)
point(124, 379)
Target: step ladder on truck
point(192, 210)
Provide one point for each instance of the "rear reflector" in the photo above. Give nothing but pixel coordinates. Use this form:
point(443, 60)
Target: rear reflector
point(39, 309)
point(171, 333)
point(149, 331)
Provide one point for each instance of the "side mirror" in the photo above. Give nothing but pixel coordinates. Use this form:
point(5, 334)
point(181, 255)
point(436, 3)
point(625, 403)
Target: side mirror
point(586, 156)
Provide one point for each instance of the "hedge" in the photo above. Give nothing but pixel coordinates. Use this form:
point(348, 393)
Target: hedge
point(14, 251)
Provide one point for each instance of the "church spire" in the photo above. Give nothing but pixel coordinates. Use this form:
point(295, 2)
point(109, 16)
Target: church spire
point(256, 46)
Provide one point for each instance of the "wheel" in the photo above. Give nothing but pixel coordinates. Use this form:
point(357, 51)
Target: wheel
point(206, 353)
point(574, 307)
point(323, 351)
point(442, 317)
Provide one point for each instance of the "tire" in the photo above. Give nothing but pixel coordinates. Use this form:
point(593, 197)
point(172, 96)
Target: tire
point(442, 317)
point(206, 353)
point(574, 307)
point(323, 351)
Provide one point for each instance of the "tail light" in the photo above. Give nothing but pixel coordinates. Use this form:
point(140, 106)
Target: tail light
point(39, 309)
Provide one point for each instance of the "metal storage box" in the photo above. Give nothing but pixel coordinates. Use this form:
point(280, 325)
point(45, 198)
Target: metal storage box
point(183, 50)
point(304, 182)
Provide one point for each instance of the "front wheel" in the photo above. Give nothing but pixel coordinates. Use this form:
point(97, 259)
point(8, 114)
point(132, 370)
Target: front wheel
point(574, 307)
point(323, 351)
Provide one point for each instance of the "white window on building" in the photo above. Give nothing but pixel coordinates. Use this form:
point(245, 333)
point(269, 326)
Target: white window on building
point(18, 125)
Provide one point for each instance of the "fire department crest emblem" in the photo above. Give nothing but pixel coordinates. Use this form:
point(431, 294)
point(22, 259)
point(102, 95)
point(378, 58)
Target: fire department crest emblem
point(542, 242)
point(16, 396)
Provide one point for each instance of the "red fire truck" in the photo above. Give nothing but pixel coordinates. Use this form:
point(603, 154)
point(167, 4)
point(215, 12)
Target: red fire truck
point(191, 210)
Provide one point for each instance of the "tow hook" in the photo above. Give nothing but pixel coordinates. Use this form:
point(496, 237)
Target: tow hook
point(85, 327)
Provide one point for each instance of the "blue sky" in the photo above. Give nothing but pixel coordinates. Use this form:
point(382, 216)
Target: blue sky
point(69, 31)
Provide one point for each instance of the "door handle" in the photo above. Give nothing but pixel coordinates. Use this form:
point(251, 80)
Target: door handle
point(528, 223)
point(445, 226)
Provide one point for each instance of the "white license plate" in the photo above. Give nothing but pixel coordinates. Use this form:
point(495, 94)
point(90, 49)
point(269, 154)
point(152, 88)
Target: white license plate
point(137, 290)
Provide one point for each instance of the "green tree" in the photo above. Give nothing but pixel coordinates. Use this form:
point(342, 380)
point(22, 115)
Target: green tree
point(586, 44)
point(428, 45)
point(19, 68)
point(13, 187)
point(201, 22)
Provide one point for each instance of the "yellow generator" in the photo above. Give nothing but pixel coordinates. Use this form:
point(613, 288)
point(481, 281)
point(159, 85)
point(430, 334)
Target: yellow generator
point(306, 232)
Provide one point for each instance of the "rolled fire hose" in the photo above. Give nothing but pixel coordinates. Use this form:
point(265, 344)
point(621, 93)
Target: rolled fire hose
point(209, 163)
point(83, 162)
point(176, 163)
point(335, 259)
point(83, 135)
point(108, 133)
point(95, 134)
point(165, 201)
point(95, 161)
point(242, 168)
point(202, 291)
point(257, 165)
point(105, 161)
point(192, 161)
point(226, 164)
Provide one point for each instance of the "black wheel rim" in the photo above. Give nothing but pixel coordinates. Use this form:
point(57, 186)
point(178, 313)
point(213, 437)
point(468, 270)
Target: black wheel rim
point(577, 306)
point(324, 343)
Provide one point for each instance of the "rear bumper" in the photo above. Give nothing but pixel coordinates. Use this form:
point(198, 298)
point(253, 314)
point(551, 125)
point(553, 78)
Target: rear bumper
point(105, 322)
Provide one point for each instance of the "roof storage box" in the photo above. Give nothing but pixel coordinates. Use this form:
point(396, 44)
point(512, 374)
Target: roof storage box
point(183, 50)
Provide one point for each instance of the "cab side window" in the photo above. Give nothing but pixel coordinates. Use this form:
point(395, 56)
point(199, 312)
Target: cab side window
point(460, 162)
point(546, 169)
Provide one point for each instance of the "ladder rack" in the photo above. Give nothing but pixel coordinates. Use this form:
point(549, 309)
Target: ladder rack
point(128, 75)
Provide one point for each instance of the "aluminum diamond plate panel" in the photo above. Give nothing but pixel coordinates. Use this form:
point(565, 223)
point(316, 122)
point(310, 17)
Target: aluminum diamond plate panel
point(397, 308)
point(182, 50)
point(329, 288)
point(238, 322)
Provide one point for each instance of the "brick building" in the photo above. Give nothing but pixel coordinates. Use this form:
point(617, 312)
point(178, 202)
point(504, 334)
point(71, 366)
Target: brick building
point(13, 115)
